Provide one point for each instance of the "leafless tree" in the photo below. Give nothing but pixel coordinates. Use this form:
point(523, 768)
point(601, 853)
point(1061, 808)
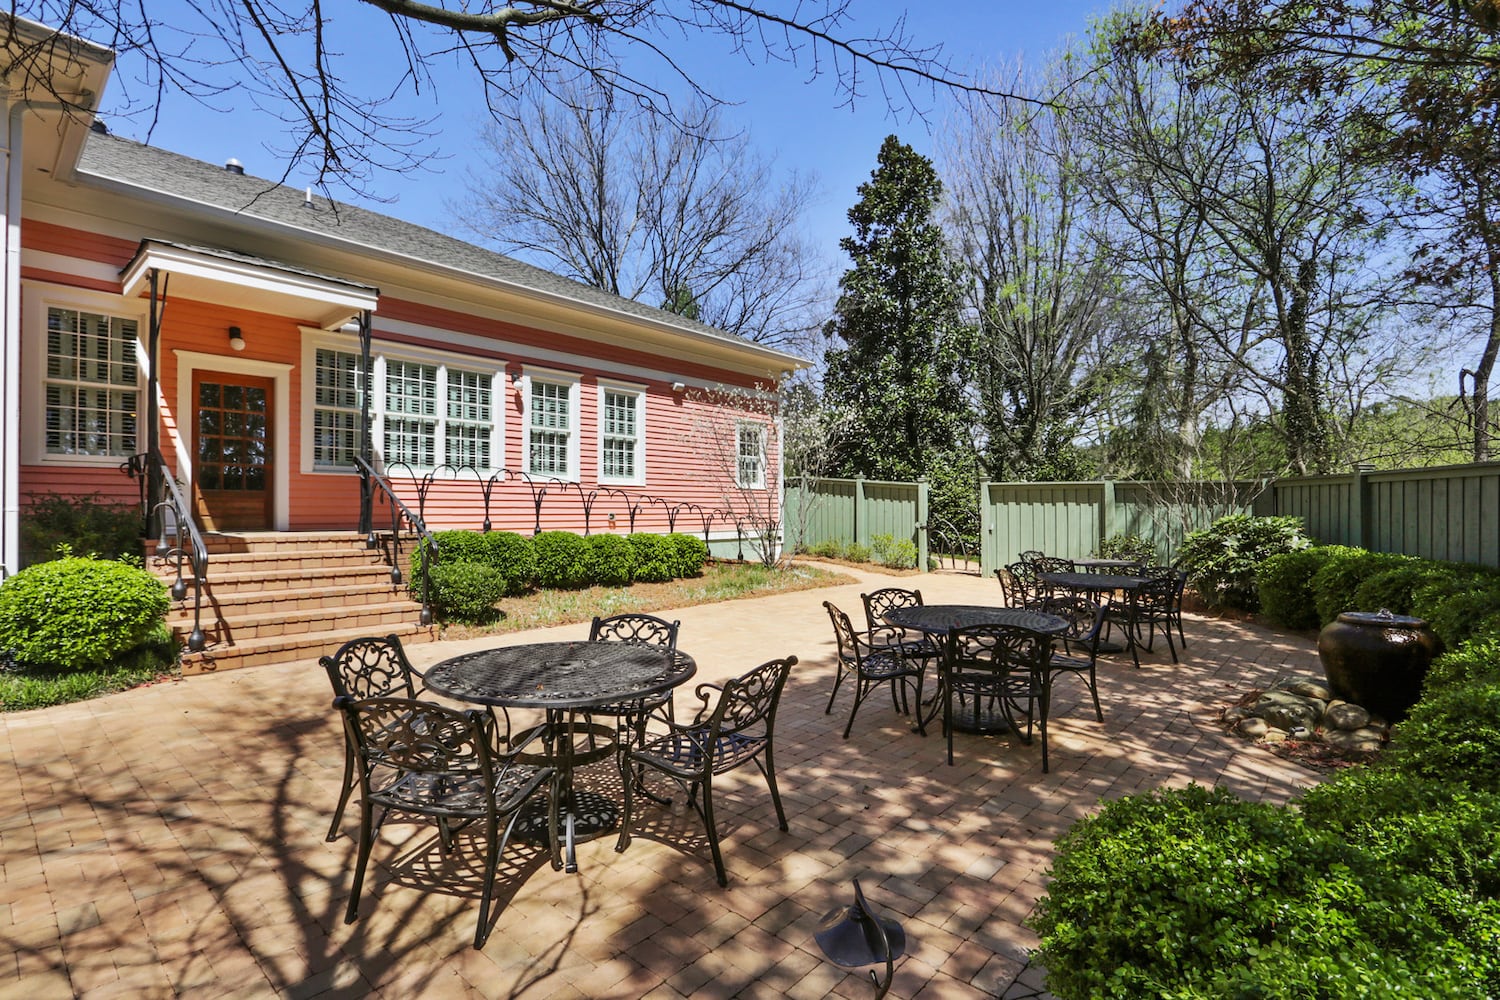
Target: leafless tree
point(694, 220)
point(308, 63)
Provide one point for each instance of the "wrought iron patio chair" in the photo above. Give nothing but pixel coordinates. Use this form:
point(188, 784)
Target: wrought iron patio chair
point(1026, 590)
point(1148, 610)
point(739, 730)
point(1052, 564)
point(868, 667)
point(912, 645)
point(1086, 620)
point(424, 759)
point(989, 668)
point(366, 668)
point(1030, 555)
point(647, 630)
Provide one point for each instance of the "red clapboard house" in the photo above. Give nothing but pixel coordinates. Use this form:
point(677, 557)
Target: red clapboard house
point(189, 332)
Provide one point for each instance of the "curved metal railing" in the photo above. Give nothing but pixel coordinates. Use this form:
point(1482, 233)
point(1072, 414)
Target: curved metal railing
point(946, 539)
point(178, 537)
point(373, 483)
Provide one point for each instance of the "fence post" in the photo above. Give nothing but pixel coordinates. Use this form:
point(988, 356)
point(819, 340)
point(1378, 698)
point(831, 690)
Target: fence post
point(861, 517)
point(1106, 511)
point(1359, 500)
point(922, 534)
point(987, 540)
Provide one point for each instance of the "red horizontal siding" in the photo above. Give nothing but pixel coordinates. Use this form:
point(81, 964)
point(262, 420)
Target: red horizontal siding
point(48, 237)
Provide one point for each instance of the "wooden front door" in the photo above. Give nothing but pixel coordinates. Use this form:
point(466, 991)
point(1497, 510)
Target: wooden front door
point(232, 460)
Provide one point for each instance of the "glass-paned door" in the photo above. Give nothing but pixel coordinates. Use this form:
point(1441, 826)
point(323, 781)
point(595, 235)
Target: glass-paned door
point(232, 461)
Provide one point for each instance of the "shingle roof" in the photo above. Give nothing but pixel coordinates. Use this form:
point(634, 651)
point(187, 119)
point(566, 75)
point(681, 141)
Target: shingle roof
point(133, 164)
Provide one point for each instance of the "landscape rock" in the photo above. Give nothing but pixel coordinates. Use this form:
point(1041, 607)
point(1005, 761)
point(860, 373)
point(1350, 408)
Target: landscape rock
point(1345, 715)
point(1284, 710)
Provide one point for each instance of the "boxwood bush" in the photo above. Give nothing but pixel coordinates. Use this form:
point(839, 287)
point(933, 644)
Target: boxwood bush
point(1221, 560)
point(73, 613)
point(514, 557)
point(611, 560)
point(691, 552)
point(562, 560)
point(1284, 583)
point(655, 557)
point(1335, 585)
point(466, 591)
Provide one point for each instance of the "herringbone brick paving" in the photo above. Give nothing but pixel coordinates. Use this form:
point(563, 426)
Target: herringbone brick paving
point(168, 841)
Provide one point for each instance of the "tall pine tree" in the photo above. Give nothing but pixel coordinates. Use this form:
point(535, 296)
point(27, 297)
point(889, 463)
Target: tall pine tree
point(899, 369)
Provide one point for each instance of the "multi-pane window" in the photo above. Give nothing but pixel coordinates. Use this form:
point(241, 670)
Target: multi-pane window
point(410, 417)
point(551, 428)
point(750, 455)
point(335, 408)
point(620, 435)
point(467, 438)
point(424, 413)
point(92, 384)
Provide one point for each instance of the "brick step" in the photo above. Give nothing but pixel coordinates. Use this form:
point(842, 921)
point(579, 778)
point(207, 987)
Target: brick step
point(242, 627)
point(222, 585)
point(225, 544)
point(288, 648)
point(259, 602)
point(282, 559)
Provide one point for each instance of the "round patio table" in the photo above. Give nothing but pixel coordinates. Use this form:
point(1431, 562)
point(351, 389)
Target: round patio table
point(1104, 583)
point(562, 678)
point(1105, 565)
point(937, 619)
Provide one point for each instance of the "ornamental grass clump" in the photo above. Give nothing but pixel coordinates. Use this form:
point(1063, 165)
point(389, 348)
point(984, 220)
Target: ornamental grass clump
point(77, 613)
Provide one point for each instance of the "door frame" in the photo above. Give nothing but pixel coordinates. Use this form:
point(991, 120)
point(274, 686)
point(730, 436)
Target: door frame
point(181, 432)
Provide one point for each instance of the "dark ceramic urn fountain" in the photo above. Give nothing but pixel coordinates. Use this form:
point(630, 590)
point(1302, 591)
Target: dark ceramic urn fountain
point(1377, 660)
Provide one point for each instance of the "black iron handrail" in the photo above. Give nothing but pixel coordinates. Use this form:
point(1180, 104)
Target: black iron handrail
point(371, 482)
point(187, 545)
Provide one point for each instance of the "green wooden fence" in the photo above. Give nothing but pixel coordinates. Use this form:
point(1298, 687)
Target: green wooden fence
point(1071, 519)
point(855, 511)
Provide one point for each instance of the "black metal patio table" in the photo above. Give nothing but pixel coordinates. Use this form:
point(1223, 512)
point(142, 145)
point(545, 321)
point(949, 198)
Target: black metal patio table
point(938, 619)
point(1105, 565)
point(1104, 583)
point(561, 679)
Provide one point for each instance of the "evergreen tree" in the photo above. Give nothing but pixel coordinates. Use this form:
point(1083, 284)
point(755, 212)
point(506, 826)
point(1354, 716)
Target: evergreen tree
point(899, 370)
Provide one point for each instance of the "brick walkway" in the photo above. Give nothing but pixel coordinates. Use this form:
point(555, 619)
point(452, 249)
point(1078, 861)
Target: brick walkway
point(168, 841)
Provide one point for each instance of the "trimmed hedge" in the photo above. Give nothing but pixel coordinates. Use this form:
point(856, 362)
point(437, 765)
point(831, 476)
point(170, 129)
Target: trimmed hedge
point(562, 560)
point(73, 613)
point(1335, 585)
point(1284, 583)
point(691, 551)
point(466, 591)
point(611, 560)
point(655, 557)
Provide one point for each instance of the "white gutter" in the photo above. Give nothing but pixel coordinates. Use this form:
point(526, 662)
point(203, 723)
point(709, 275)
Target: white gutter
point(10, 348)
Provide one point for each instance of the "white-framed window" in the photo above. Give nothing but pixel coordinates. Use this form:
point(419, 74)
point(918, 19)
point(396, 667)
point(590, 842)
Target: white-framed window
point(622, 434)
point(552, 426)
point(750, 456)
point(336, 396)
point(91, 384)
point(426, 409)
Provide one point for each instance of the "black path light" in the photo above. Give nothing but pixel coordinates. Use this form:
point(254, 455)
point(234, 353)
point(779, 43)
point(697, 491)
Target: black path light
point(854, 937)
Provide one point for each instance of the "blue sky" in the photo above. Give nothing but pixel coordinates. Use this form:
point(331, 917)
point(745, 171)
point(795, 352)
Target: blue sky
point(794, 119)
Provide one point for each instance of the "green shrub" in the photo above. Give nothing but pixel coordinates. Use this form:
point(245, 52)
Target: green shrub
point(611, 560)
point(1194, 893)
point(1453, 734)
point(562, 560)
point(692, 553)
point(1335, 585)
point(655, 557)
point(466, 591)
point(1221, 560)
point(1132, 547)
point(1284, 583)
point(43, 687)
point(1392, 588)
point(1477, 660)
point(514, 557)
point(1457, 609)
point(889, 551)
point(855, 552)
point(73, 613)
point(831, 549)
point(88, 525)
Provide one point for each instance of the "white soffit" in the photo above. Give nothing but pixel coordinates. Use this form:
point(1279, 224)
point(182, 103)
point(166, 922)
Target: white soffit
point(243, 282)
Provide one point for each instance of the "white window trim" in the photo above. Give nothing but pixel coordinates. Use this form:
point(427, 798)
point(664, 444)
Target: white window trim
point(760, 430)
point(575, 392)
point(313, 339)
point(189, 362)
point(622, 389)
point(37, 298)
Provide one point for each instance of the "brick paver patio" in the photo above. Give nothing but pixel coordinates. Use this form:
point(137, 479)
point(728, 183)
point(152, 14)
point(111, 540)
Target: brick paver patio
point(168, 841)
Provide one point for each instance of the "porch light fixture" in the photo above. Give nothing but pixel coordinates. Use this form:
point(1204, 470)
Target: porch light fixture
point(855, 937)
point(236, 339)
point(515, 379)
point(679, 386)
